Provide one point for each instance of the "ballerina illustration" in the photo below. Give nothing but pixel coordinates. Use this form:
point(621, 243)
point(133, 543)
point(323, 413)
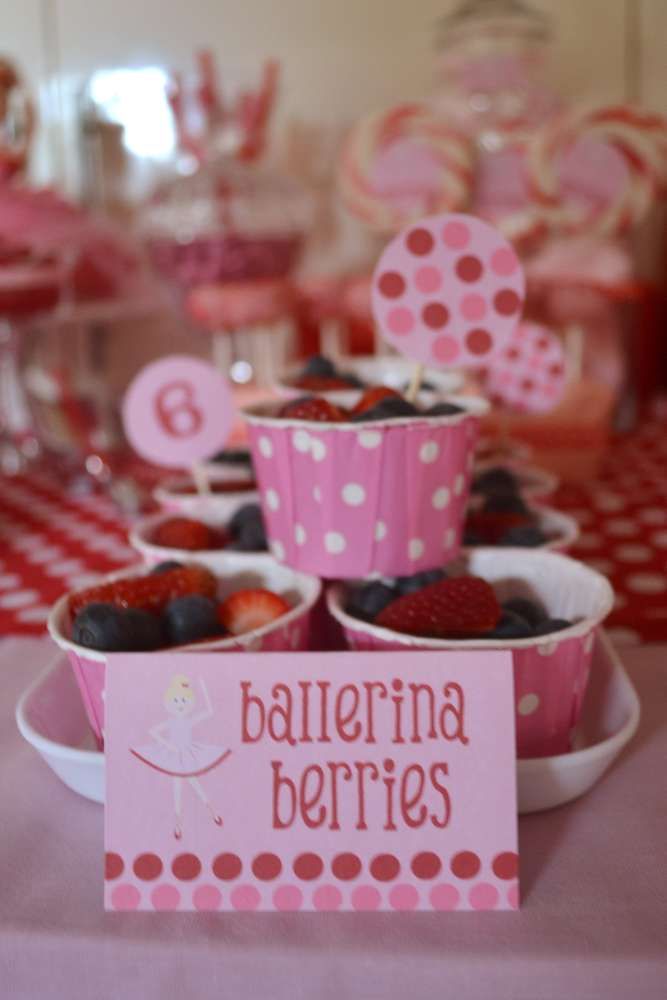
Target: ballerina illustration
point(176, 753)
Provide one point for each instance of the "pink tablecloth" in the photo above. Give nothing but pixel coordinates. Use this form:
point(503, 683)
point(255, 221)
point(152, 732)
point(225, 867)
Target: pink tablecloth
point(593, 924)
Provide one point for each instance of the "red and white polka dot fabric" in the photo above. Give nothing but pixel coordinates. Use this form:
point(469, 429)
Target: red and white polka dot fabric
point(52, 543)
point(623, 520)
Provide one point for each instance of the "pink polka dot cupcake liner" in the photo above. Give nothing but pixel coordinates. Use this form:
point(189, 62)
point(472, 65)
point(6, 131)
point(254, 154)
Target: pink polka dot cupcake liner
point(550, 672)
point(290, 632)
point(355, 499)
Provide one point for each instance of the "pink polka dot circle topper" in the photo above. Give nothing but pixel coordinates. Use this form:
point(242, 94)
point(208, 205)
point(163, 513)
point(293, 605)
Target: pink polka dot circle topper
point(448, 290)
point(530, 373)
point(178, 411)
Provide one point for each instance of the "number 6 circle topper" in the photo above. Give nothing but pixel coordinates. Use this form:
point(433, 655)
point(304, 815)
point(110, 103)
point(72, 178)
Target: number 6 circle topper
point(448, 290)
point(178, 411)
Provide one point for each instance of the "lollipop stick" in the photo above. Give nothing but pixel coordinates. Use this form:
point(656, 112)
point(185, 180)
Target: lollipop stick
point(415, 382)
point(574, 348)
point(200, 477)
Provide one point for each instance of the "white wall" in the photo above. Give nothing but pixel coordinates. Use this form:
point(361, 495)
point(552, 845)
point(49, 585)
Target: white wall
point(340, 57)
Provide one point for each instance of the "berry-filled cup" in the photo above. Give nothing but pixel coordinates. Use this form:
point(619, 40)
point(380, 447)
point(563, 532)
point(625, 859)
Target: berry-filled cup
point(263, 607)
point(511, 475)
point(165, 537)
point(338, 380)
point(534, 527)
point(179, 495)
point(543, 607)
point(378, 489)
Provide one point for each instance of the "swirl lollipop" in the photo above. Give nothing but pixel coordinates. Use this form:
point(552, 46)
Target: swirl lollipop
point(401, 164)
point(448, 291)
point(625, 153)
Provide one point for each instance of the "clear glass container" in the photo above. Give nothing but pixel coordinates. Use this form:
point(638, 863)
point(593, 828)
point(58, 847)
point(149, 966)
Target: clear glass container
point(490, 68)
point(229, 221)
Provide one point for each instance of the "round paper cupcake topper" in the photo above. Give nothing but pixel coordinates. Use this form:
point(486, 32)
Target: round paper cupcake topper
point(448, 290)
point(530, 373)
point(178, 411)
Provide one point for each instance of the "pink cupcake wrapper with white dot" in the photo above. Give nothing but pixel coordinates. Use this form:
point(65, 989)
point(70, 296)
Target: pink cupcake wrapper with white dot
point(550, 672)
point(292, 632)
point(351, 500)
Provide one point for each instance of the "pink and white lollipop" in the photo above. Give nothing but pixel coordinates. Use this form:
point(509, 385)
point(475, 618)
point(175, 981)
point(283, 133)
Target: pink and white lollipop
point(448, 291)
point(530, 373)
point(598, 170)
point(401, 164)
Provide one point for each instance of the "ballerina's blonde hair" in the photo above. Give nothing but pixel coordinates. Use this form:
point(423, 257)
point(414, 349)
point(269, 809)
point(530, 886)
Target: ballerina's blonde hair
point(180, 686)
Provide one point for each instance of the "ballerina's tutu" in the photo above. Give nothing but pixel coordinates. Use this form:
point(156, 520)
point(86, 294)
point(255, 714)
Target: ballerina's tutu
point(186, 757)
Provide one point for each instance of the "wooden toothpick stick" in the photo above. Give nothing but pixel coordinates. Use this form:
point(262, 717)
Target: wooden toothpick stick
point(200, 477)
point(415, 382)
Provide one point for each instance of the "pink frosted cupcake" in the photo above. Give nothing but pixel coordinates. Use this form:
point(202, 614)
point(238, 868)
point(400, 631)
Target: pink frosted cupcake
point(349, 494)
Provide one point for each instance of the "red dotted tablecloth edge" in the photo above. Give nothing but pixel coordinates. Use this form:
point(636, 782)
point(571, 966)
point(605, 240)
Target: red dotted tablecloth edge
point(53, 542)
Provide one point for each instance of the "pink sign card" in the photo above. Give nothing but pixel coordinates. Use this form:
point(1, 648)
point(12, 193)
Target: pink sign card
point(316, 781)
point(178, 411)
point(448, 290)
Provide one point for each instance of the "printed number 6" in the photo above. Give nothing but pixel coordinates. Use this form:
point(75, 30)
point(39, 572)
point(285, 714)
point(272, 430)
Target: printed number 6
point(176, 410)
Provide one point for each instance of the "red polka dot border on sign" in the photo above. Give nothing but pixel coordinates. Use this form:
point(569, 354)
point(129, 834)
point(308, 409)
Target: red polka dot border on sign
point(266, 867)
point(465, 864)
point(346, 866)
point(113, 866)
point(186, 867)
point(506, 865)
point(385, 867)
point(470, 880)
point(147, 867)
point(227, 867)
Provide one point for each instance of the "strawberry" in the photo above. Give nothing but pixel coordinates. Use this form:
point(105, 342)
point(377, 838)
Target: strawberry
point(371, 397)
point(321, 383)
point(313, 408)
point(250, 609)
point(490, 526)
point(148, 593)
point(455, 606)
point(221, 486)
point(183, 533)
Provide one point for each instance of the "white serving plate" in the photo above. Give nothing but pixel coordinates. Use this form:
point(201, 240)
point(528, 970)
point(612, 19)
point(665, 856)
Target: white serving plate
point(51, 718)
